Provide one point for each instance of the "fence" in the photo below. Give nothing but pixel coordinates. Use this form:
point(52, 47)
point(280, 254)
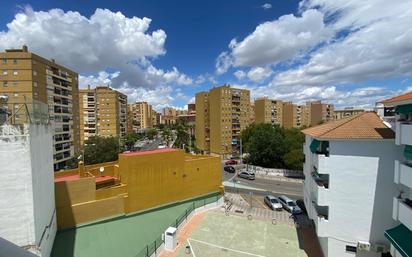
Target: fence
point(274, 172)
point(34, 112)
point(152, 248)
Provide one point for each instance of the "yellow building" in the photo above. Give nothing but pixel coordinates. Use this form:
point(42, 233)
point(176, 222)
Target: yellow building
point(142, 115)
point(137, 182)
point(129, 124)
point(26, 78)
point(252, 113)
point(318, 112)
point(103, 112)
point(269, 111)
point(347, 112)
point(221, 114)
point(309, 114)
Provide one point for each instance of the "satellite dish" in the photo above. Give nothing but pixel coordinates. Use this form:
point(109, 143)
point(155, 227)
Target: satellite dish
point(101, 169)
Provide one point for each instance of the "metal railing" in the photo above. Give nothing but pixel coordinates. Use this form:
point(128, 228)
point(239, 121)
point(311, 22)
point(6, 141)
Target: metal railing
point(33, 112)
point(152, 248)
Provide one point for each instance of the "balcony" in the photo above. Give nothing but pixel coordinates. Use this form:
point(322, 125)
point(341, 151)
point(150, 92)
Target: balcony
point(321, 219)
point(402, 211)
point(403, 133)
point(403, 174)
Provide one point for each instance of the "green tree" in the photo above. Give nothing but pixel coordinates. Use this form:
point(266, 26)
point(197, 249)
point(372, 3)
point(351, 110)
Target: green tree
point(101, 149)
point(266, 145)
point(151, 133)
point(182, 137)
point(166, 135)
point(130, 139)
point(294, 159)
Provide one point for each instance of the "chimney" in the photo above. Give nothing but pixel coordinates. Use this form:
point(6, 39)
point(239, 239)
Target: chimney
point(25, 48)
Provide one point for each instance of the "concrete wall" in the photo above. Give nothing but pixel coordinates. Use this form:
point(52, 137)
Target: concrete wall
point(360, 191)
point(27, 200)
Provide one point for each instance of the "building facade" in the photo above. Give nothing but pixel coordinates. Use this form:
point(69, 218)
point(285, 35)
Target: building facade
point(142, 115)
point(221, 114)
point(347, 112)
point(348, 170)
point(103, 112)
point(269, 111)
point(25, 78)
point(398, 112)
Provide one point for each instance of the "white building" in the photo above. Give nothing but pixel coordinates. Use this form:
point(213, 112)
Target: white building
point(399, 109)
point(27, 207)
point(348, 184)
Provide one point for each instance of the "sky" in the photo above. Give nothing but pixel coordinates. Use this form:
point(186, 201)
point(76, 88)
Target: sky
point(351, 53)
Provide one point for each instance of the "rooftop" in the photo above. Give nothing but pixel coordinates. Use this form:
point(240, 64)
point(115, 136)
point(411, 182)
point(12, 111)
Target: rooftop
point(77, 176)
point(366, 125)
point(403, 97)
point(161, 150)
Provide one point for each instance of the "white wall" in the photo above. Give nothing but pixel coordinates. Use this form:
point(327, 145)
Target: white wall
point(27, 188)
point(359, 195)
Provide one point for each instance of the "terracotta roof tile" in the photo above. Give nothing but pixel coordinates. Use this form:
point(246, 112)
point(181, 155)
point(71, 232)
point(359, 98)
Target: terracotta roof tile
point(366, 125)
point(406, 96)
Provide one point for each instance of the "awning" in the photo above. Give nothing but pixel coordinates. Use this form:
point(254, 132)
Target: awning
point(407, 152)
point(403, 109)
point(400, 238)
point(314, 145)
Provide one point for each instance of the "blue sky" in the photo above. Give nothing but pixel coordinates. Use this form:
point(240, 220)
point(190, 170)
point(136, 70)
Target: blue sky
point(332, 50)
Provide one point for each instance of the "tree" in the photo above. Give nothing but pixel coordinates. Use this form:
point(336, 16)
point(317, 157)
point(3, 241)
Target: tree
point(151, 133)
point(130, 139)
point(266, 145)
point(294, 159)
point(101, 149)
point(182, 137)
point(166, 135)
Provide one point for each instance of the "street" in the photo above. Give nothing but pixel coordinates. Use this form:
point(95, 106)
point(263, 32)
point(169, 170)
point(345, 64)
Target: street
point(261, 187)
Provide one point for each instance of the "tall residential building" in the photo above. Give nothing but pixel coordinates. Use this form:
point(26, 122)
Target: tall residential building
point(398, 111)
point(142, 116)
point(349, 189)
point(103, 112)
point(289, 115)
point(129, 114)
point(347, 112)
point(317, 112)
point(153, 117)
point(221, 114)
point(252, 118)
point(170, 115)
point(26, 78)
point(269, 111)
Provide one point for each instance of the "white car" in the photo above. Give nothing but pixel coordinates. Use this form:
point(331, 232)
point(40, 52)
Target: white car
point(273, 203)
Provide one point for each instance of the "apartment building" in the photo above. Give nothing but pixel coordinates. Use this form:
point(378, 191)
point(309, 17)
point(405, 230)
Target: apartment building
point(348, 184)
point(293, 116)
point(346, 112)
point(269, 111)
point(221, 114)
point(399, 110)
point(142, 116)
point(170, 115)
point(252, 113)
point(129, 123)
point(103, 112)
point(27, 78)
point(317, 112)
point(153, 117)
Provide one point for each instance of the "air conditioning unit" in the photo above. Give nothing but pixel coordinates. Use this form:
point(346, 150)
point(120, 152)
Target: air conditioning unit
point(364, 246)
point(380, 248)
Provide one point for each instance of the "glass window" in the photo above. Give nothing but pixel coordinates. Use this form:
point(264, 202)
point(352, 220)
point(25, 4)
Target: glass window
point(15, 72)
point(5, 72)
point(4, 83)
point(34, 84)
point(34, 73)
point(14, 61)
point(4, 61)
point(15, 83)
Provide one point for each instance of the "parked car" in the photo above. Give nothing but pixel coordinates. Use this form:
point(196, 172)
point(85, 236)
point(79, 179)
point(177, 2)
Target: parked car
point(301, 205)
point(247, 175)
point(273, 203)
point(229, 169)
point(289, 205)
point(231, 162)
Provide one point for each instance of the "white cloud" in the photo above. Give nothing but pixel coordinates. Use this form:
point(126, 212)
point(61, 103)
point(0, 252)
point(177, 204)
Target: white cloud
point(239, 74)
point(376, 44)
point(258, 74)
point(106, 39)
point(276, 41)
point(223, 63)
point(102, 78)
point(159, 97)
point(267, 6)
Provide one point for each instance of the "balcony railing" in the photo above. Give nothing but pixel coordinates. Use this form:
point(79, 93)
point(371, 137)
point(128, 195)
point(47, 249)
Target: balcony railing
point(402, 211)
point(403, 174)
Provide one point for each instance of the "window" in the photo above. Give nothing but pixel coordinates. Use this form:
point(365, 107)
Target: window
point(14, 61)
point(15, 83)
point(34, 62)
point(5, 72)
point(16, 95)
point(15, 73)
point(34, 84)
point(351, 249)
point(34, 73)
point(4, 83)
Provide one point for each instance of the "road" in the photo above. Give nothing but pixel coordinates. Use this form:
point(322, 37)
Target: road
point(293, 190)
